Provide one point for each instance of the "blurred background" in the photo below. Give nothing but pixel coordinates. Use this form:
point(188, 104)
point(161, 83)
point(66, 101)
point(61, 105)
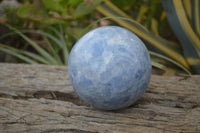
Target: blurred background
point(44, 31)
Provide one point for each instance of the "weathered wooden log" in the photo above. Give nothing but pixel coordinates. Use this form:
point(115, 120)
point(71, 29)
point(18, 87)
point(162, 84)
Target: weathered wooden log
point(40, 98)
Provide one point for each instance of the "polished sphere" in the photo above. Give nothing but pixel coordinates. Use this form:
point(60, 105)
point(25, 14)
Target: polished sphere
point(109, 68)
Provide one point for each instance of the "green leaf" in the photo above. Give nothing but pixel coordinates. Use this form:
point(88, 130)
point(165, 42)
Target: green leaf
point(56, 5)
point(40, 50)
point(55, 54)
point(182, 28)
point(86, 7)
point(65, 51)
point(154, 27)
point(196, 16)
point(188, 8)
point(142, 11)
point(60, 42)
point(30, 12)
point(35, 57)
point(42, 33)
point(168, 71)
point(60, 34)
point(124, 4)
point(76, 32)
point(169, 60)
point(74, 2)
point(16, 53)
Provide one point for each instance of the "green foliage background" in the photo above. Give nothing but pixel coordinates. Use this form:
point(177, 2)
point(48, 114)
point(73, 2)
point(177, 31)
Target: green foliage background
point(169, 28)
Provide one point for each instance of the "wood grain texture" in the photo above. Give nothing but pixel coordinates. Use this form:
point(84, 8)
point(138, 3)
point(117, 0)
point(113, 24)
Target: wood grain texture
point(40, 98)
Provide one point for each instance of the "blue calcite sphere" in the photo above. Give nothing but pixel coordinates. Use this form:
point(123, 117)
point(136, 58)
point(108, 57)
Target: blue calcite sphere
point(109, 68)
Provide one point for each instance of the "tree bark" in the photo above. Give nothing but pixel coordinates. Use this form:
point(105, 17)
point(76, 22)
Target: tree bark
point(40, 98)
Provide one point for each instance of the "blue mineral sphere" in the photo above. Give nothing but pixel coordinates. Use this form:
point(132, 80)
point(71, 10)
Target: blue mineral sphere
point(109, 68)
